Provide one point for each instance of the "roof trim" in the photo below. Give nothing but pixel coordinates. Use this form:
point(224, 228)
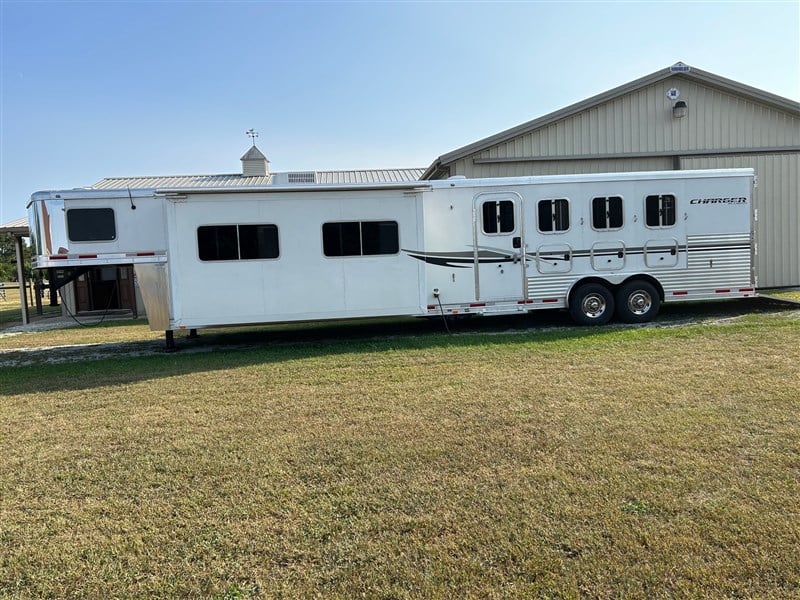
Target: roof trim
point(331, 187)
point(694, 74)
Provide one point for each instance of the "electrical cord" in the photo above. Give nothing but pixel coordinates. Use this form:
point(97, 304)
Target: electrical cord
point(75, 318)
point(441, 309)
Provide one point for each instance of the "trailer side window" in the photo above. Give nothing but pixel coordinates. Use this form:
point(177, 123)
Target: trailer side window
point(553, 215)
point(258, 241)
point(237, 242)
point(360, 238)
point(660, 210)
point(607, 212)
point(91, 225)
point(498, 216)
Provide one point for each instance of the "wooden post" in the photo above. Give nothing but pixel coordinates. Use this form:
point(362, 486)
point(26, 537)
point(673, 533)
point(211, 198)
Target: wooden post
point(37, 295)
point(23, 296)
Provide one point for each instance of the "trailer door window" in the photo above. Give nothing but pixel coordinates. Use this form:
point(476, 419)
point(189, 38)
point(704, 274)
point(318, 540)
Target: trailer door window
point(498, 216)
point(237, 242)
point(553, 215)
point(607, 212)
point(91, 225)
point(360, 238)
point(660, 210)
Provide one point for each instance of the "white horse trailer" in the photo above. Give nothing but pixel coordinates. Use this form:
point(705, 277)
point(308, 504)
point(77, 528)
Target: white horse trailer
point(598, 245)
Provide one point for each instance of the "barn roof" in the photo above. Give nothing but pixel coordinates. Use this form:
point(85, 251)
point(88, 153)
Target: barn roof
point(678, 70)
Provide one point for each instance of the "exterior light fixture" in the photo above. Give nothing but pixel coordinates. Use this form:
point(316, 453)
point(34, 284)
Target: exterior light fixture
point(680, 109)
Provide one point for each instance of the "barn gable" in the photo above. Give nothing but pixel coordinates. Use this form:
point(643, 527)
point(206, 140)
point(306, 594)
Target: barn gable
point(632, 127)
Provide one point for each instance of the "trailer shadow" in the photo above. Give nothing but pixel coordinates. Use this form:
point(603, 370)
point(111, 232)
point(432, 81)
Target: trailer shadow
point(50, 370)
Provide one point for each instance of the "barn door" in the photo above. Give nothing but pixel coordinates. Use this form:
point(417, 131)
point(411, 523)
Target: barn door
point(499, 247)
point(83, 301)
point(127, 298)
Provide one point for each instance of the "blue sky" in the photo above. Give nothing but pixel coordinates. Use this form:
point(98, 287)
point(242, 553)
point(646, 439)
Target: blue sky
point(99, 89)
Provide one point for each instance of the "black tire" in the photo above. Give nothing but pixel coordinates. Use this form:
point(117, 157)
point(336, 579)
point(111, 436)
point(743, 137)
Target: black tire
point(591, 304)
point(637, 302)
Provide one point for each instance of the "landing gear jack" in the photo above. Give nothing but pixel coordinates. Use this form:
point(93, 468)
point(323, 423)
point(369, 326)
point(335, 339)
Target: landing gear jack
point(169, 341)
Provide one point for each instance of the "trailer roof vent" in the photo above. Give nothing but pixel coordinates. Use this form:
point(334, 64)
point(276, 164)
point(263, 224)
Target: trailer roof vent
point(304, 177)
point(254, 163)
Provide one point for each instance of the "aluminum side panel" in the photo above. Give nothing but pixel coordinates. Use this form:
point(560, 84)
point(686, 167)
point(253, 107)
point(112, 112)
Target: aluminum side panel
point(153, 280)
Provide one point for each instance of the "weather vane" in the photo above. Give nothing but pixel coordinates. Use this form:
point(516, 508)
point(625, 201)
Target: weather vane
point(253, 134)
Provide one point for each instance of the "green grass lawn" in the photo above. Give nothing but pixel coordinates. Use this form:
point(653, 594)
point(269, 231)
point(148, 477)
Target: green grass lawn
point(564, 463)
point(10, 311)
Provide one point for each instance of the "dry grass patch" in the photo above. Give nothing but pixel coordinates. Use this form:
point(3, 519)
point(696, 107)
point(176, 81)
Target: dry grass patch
point(606, 463)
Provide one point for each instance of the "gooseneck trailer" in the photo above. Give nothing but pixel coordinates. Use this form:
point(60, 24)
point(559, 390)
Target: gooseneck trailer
point(601, 246)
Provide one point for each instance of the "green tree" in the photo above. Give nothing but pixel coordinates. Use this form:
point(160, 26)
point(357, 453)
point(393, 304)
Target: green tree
point(8, 258)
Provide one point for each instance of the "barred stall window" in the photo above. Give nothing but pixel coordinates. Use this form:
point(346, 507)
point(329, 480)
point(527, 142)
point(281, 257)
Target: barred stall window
point(607, 212)
point(553, 215)
point(660, 210)
point(498, 216)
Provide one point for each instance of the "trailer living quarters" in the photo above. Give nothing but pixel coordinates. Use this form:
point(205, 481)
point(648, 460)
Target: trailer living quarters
point(599, 245)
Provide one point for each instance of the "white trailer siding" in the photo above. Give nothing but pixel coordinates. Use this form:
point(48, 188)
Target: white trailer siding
point(707, 249)
point(301, 283)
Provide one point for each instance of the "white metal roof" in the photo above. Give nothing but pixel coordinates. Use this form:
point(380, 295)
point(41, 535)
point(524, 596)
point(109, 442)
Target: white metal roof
point(239, 181)
point(15, 227)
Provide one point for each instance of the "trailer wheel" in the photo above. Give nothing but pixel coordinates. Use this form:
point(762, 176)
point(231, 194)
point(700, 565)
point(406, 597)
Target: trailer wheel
point(637, 302)
point(591, 304)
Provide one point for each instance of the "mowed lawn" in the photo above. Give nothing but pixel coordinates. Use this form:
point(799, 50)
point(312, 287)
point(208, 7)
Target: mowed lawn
point(619, 462)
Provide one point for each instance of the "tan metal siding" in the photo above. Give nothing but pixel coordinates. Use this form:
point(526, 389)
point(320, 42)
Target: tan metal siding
point(642, 122)
point(777, 200)
point(560, 167)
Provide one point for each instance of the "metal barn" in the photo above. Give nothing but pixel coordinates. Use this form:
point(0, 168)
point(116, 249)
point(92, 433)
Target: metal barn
point(676, 118)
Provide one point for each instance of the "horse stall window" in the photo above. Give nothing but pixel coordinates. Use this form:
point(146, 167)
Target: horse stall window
point(553, 215)
point(607, 212)
point(660, 210)
point(91, 225)
point(498, 216)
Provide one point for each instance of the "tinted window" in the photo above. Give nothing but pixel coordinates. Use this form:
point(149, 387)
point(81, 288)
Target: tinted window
point(258, 241)
point(217, 242)
point(360, 238)
point(91, 225)
point(341, 239)
point(234, 242)
point(379, 237)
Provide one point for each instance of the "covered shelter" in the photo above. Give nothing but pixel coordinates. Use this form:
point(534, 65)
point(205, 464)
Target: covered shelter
point(18, 229)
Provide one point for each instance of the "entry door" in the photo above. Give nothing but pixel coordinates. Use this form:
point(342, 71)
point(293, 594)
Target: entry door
point(499, 247)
